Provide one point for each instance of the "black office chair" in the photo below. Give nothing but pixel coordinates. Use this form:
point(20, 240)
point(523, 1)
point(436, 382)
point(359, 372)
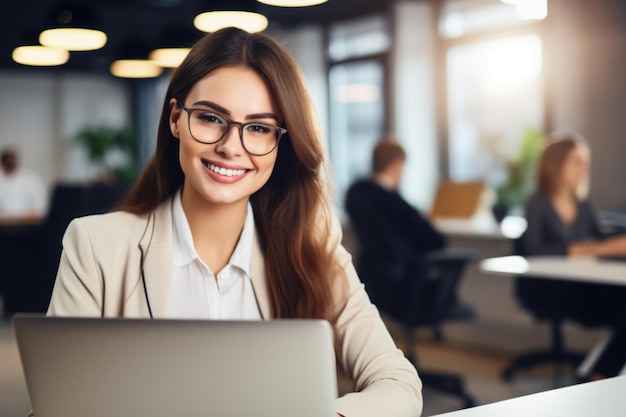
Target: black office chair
point(423, 296)
point(554, 302)
point(35, 269)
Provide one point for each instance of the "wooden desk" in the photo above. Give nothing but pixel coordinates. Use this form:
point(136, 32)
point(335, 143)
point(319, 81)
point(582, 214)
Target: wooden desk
point(581, 269)
point(603, 398)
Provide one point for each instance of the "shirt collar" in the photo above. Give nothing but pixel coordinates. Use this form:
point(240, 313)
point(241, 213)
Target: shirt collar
point(184, 252)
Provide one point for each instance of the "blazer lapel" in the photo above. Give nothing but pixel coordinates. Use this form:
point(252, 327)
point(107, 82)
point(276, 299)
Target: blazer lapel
point(156, 245)
point(259, 282)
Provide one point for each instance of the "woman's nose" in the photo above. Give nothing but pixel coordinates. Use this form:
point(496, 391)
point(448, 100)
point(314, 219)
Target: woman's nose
point(231, 142)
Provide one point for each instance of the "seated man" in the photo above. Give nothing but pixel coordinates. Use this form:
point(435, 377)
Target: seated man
point(22, 192)
point(391, 233)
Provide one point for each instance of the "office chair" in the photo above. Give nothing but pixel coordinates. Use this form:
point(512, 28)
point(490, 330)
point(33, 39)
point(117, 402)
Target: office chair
point(427, 297)
point(549, 301)
point(424, 296)
point(35, 271)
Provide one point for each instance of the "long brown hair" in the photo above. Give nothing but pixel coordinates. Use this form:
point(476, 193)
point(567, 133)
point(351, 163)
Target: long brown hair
point(552, 159)
point(291, 210)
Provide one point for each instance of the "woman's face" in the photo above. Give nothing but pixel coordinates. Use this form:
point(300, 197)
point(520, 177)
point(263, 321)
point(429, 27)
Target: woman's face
point(224, 172)
point(575, 170)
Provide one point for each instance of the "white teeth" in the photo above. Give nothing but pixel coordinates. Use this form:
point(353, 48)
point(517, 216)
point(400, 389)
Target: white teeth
point(226, 172)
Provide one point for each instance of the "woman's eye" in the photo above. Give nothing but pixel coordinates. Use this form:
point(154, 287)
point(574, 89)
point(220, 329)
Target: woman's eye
point(210, 118)
point(259, 128)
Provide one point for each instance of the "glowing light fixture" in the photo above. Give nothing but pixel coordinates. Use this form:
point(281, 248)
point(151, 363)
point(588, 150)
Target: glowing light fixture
point(168, 57)
point(72, 28)
point(213, 21)
point(292, 3)
point(41, 56)
point(135, 68)
point(529, 9)
point(73, 39)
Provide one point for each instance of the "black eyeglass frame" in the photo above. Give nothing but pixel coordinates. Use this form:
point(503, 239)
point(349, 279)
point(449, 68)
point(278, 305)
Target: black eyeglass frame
point(229, 123)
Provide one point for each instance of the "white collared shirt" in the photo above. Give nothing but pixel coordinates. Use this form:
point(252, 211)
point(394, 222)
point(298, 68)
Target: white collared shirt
point(196, 293)
point(22, 193)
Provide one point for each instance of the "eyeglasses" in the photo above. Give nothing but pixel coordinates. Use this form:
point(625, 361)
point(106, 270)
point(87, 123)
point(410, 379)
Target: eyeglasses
point(256, 138)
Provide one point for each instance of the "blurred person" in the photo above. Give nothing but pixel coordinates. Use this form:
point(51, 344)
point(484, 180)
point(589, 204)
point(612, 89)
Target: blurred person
point(562, 221)
point(397, 233)
point(230, 220)
point(22, 192)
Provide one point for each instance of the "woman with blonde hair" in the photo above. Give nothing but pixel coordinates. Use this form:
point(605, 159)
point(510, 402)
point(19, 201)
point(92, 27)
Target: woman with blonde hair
point(230, 220)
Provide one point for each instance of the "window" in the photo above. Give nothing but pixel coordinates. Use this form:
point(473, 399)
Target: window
point(494, 84)
point(494, 94)
point(357, 95)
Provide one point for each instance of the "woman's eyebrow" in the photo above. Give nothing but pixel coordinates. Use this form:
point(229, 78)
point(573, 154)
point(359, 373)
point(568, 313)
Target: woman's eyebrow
point(213, 105)
point(226, 112)
point(262, 116)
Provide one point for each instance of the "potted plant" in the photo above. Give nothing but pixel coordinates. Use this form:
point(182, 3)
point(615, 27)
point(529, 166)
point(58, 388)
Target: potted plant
point(112, 149)
point(520, 175)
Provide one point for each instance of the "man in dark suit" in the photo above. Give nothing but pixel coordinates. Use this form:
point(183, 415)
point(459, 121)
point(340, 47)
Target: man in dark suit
point(391, 233)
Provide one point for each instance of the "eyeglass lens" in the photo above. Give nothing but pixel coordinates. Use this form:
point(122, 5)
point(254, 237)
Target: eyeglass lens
point(257, 138)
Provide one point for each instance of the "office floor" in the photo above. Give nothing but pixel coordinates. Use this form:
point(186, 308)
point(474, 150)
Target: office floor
point(481, 370)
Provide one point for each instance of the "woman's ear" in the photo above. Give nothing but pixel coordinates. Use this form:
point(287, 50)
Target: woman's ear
point(174, 118)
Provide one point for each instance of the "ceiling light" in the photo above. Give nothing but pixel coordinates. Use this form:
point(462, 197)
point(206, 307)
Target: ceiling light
point(41, 56)
point(169, 57)
point(73, 39)
point(214, 21)
point(292, 3)
point(135, 68)
point(531, 9)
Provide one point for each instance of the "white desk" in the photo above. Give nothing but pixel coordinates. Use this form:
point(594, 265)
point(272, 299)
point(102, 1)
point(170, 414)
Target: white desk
point(560, 267)
point(580, 269)
point(605, 398)
point(482, 227)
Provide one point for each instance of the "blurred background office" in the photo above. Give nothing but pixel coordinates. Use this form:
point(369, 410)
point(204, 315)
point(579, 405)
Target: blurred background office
point(468, 86)
point(462, 82)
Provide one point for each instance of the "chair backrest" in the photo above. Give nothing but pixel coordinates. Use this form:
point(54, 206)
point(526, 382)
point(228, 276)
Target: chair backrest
point(75, 200)
point(431, 290)
point(427, 292)
point(68, 202)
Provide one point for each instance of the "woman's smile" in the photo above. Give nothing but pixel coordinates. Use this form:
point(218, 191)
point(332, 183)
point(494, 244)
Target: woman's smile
point(224, 173)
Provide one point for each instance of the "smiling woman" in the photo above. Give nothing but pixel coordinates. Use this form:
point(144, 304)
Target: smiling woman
point(231, 220)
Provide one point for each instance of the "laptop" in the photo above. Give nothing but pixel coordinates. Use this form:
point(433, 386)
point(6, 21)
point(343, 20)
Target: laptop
point(77, 367)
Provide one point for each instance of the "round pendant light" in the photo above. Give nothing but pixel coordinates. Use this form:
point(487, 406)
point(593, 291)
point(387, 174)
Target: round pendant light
point(73, 28)
point(168, 57)
point(73, 39)
point(292, 3)
point(135, 68)
point(213, 21)
point(41, 56)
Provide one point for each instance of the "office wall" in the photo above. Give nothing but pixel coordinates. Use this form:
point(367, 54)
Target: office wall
point(41, 112)
point(586, 60)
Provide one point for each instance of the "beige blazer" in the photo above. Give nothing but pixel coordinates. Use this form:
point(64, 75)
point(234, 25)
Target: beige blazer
point(100, 276)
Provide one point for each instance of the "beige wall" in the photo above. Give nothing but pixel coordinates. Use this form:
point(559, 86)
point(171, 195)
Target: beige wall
point(586, 57)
